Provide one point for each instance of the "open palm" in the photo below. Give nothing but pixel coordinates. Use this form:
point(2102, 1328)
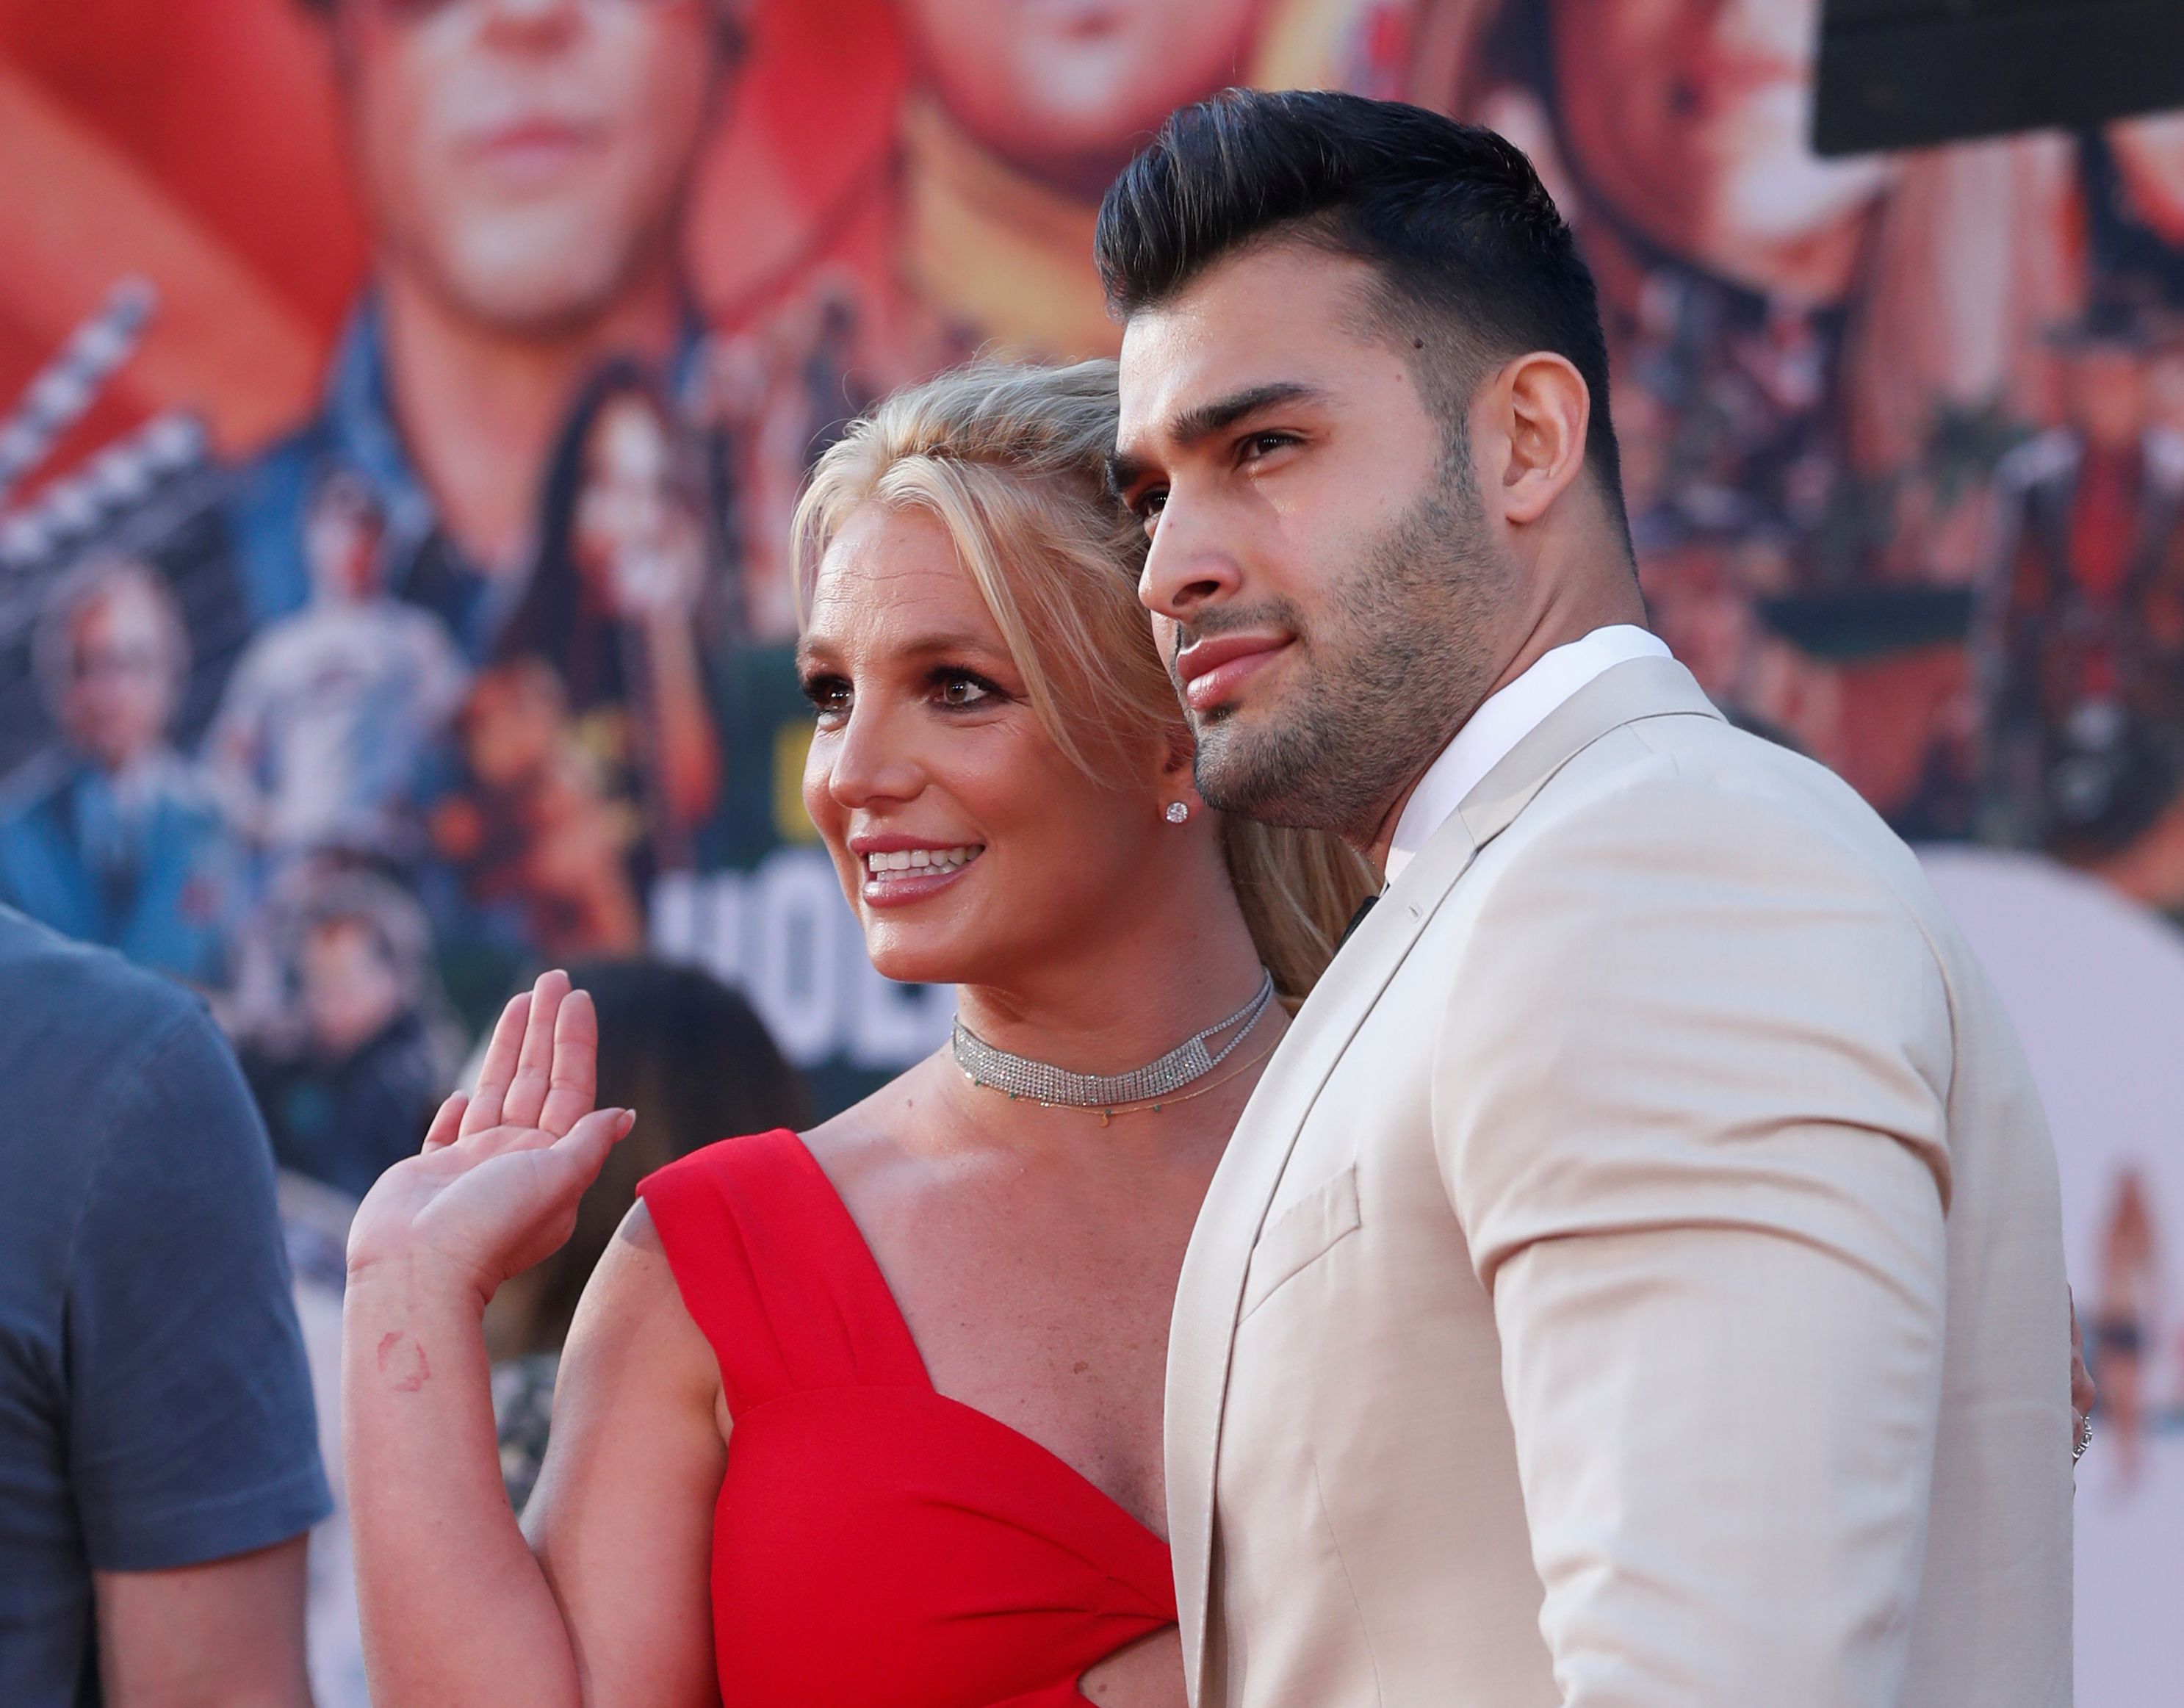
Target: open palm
point(496, 1187)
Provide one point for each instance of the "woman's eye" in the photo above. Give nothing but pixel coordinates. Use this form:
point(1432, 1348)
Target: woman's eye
point(963, 691)
point(830, 698)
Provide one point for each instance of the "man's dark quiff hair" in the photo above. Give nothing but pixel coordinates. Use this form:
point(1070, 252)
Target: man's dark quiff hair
point(1477, 263)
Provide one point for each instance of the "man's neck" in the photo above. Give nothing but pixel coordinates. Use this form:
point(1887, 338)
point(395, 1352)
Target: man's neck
point(478, 406)
point(1556, 626)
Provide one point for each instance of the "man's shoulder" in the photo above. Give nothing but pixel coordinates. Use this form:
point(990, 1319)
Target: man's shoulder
point(90, 1002)
point(1682, 879)
point(1698, 801)
point(1658, 764)
point(92, 1042)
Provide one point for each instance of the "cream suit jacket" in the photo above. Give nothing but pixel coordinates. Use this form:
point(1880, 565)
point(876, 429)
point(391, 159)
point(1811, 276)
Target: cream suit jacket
point(1638, 1277)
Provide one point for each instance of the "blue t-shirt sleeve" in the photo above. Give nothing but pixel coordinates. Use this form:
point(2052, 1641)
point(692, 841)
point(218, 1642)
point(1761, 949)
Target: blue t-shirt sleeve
point(190, 1433)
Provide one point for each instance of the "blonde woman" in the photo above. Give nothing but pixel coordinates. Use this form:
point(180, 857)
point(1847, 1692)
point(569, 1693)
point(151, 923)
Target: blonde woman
point(871, 1416)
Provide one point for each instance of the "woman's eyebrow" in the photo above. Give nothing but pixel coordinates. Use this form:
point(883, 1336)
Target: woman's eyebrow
point(954, 641)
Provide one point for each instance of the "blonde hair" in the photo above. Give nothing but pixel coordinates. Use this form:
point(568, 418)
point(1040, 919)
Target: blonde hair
point(1011, 458)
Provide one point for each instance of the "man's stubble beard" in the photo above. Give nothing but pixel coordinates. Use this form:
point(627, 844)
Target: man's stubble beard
point(1396, 665)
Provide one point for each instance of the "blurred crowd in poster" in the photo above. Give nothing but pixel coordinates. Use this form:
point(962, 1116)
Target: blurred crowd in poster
point(393, 574)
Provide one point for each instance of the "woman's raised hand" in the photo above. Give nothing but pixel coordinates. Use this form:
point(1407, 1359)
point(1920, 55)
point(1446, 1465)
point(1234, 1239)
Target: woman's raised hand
point(495, 1188)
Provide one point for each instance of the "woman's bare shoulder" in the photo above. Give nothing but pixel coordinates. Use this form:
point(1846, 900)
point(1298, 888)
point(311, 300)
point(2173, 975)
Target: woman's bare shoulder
point(878, 1138)
point(640, 1231)
point(633, 1309)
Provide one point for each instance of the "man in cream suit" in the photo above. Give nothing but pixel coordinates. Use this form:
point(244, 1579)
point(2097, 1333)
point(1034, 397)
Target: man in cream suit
point(1638, 1277)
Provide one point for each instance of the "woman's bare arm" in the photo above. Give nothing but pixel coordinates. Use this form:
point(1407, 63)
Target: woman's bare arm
point(621, 1520)
point(455, 1606)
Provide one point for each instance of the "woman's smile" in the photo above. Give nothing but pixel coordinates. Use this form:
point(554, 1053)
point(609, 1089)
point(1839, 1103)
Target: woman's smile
point(898, 875)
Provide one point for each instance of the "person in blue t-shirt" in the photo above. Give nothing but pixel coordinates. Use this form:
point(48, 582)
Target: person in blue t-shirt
point(159, 1457)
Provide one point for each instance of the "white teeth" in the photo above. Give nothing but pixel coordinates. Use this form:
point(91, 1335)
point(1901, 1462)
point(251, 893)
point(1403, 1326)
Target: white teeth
point(920, 860)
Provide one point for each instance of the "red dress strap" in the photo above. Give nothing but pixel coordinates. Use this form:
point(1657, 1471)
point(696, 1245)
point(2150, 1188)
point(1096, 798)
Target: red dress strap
point(775, 1273)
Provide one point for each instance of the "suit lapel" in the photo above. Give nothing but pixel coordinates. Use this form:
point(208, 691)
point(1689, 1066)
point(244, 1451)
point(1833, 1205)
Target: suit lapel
point(1209, 1296)
point(1628, 693)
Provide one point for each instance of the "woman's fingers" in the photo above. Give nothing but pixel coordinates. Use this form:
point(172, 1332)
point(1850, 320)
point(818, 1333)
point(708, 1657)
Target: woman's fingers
point(447, 1125)
point(574, 1080)
point(498, 1066)
point(591, 1138)
point(534, 1067)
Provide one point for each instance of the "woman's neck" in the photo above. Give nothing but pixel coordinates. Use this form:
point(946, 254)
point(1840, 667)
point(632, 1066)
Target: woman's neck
point(1174, 968)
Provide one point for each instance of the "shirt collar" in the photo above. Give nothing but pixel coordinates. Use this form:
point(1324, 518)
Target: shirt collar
point(1505, 718)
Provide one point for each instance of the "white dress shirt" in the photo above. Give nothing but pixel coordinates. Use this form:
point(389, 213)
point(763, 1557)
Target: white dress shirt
point(1505, 718)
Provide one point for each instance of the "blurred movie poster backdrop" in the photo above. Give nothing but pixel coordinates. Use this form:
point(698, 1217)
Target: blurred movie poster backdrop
point(405, 401)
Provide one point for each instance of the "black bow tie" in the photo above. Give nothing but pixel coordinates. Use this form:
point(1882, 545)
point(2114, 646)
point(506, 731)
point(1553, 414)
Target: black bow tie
point(1357, 919)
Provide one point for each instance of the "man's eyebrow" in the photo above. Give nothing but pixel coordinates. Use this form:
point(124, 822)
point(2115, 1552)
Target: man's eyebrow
point(1202, 420)
point(1122, 473)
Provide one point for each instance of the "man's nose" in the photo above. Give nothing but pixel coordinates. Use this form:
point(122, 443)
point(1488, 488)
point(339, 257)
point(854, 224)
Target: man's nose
point(1190, 567)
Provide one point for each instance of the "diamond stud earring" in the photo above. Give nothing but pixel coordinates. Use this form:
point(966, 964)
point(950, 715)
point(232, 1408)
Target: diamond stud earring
point(1177, 811)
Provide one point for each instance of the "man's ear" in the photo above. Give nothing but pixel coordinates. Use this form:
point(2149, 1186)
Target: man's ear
point(1543, 408)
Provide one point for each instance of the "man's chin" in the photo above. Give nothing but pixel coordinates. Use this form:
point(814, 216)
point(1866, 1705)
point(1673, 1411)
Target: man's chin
point(1255, 785)
point(539, 282)
point(1290, 781)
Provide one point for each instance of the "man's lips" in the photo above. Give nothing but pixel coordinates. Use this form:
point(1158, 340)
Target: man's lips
point(1213, 670)
point(533, 147)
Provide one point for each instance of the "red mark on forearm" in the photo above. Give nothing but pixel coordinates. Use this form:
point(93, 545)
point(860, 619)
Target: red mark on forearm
point(402, 1361)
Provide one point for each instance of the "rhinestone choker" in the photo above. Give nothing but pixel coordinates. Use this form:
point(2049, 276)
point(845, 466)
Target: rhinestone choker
point(1043, 1083)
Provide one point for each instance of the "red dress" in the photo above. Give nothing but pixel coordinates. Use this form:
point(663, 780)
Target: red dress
point(877, 1544)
